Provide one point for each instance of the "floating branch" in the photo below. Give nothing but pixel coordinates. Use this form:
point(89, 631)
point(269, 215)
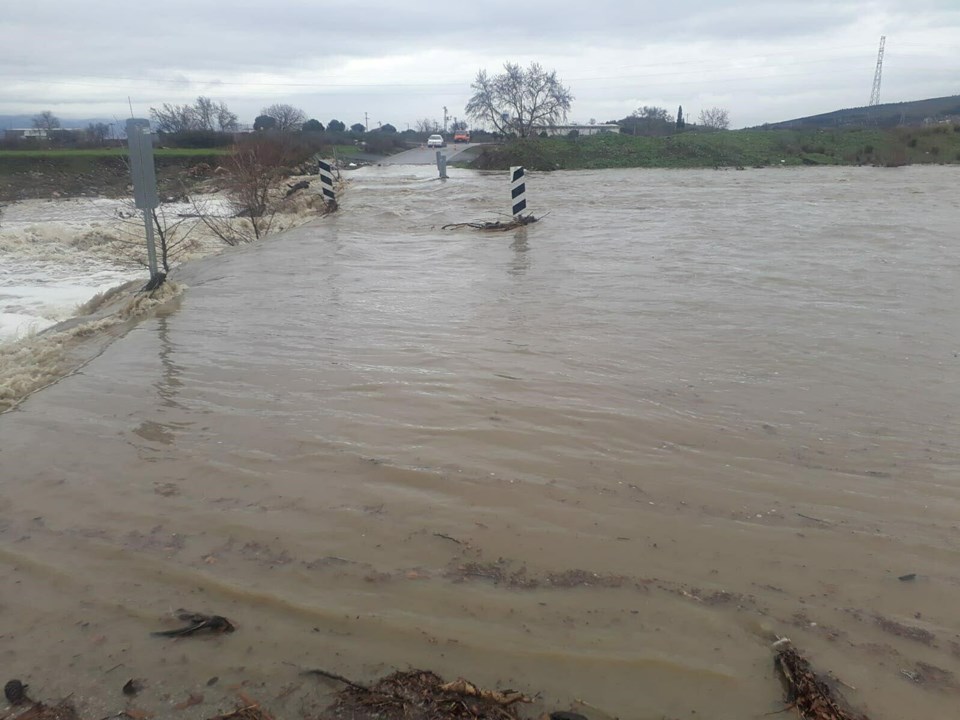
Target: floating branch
point(423, 694)
point(809, 693)
point(512, 224)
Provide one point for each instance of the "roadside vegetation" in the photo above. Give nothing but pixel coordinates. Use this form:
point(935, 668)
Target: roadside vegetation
point(737, 148)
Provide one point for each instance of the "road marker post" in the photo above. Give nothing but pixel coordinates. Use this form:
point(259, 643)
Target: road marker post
point(442, 165)
point(326, 181)
point(518, 191)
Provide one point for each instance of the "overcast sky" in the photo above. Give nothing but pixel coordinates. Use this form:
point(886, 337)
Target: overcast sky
point(400, 61)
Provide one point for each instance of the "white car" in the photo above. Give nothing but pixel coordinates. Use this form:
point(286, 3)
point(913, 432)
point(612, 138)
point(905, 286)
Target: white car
point(436, 141)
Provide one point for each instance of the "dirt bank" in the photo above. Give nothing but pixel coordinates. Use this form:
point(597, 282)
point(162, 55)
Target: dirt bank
point(30, 176)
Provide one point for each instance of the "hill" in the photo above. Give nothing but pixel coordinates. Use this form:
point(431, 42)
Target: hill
point(8, 122)
point(888, 115)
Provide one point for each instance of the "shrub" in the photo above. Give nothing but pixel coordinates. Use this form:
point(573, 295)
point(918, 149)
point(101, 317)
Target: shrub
point(912, 143)
point(197, 139)
point(380, 142)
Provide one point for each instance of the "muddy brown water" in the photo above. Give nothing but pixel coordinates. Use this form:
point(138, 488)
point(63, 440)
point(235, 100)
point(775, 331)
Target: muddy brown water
point(604, 457)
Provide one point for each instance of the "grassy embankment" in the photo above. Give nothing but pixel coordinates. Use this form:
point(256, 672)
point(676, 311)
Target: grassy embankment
point(903, 146)
point(55, 172)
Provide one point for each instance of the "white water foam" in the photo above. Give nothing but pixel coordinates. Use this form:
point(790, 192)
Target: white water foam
point(57, 254)
point(45, 272)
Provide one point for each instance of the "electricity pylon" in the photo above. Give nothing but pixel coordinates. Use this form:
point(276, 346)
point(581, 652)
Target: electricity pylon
point(875, 93)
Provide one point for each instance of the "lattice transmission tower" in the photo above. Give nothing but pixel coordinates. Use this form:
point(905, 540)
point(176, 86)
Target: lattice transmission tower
point(875, 93)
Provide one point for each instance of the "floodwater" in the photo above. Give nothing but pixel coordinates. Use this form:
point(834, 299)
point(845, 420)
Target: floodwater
point(606, 457)
point(53, 259)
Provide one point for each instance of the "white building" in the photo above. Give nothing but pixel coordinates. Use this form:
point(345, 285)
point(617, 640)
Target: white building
point(564, 130)
point(22, 133)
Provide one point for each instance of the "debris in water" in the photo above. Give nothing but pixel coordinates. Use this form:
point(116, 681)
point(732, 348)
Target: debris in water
point(294, 187)
point(192, 699)
point(910, 632)
point(198, 623)
point(133, 686)
point(423, 694)
point(815, 519)
point(249, 712)
point(61, 711)
point(512, 224)
point(807, 692)
point(16, 692)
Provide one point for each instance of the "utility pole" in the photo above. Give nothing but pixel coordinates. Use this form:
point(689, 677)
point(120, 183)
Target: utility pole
point(366, 121)
point(445, 118)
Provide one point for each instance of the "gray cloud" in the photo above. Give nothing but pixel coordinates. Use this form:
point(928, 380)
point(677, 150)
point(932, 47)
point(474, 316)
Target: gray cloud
point(402, 61)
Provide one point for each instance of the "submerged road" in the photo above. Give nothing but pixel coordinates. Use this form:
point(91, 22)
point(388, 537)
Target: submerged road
point(607, 455)
point(427, 156)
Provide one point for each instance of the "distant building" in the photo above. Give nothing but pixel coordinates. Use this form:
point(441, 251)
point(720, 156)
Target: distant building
point(942, 120)
point(564, 130)
point(24, 133)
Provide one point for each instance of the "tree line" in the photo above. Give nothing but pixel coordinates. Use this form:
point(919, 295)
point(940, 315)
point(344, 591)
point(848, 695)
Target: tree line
point(96, 133)
point(522, 101)
point(518, 102)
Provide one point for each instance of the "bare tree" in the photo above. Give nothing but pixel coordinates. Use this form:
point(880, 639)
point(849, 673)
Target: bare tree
point(174, 118)
point(226, 120)
point(46, 121)
point(205, 110)
point(171, 235)
point(427, 126)
point(252, 180)
point(98, 132)
point(204, 114)
point(288, 117)
point(518, 100)
point(716, 118)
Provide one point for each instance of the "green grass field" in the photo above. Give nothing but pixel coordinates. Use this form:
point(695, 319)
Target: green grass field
point(937, 144)
point(108, 153)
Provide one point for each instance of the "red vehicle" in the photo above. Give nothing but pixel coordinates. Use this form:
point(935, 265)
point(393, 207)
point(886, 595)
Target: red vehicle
point(461, 136)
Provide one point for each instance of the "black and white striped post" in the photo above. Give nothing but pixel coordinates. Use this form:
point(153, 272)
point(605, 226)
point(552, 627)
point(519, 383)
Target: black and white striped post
point(518, 191)
point(326, 182)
